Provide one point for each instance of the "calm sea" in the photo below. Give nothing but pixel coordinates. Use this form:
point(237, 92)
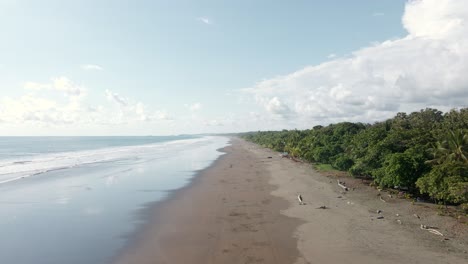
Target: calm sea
point(77, 199)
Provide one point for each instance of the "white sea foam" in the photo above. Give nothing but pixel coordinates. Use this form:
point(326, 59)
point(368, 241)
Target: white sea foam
point(19, 168)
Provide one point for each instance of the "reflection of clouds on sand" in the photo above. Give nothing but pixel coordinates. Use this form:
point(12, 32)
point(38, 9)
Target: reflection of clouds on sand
point(62, 200)
point(111, 179)
point(92, 211)
point(94, 203)
point(140, 169)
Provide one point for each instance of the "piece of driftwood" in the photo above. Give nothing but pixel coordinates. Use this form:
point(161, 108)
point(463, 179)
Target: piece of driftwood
point(432, 230)
point(382, 199)
point(342, 186)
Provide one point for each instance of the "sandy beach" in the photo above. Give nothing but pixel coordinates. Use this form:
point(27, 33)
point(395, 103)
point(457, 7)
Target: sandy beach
point(243, 209)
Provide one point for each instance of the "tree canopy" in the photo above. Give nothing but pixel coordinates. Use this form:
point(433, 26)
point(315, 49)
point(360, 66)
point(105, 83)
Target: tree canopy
point(423, 151)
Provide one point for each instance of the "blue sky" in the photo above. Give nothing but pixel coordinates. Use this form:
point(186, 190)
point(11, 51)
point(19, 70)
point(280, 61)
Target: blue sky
point(170, 67)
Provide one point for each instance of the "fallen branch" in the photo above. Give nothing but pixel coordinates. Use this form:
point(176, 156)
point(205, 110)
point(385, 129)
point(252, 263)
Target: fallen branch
point(342, 186)
point(433, 231)
point(382, 199)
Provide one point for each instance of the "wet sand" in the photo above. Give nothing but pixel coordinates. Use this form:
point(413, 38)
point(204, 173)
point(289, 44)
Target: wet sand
point(243, 209)
point(227, 215)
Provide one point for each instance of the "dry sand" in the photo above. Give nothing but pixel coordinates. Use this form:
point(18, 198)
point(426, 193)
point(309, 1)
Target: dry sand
point(244, 209)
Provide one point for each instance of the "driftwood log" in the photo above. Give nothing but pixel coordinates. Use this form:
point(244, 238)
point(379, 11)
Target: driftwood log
point(342, 186)
point(433, 231)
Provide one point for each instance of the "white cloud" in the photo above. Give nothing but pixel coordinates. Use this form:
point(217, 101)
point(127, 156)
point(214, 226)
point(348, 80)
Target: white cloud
point(331, 56)
point(91, 67)
point(128, 111)
point(62, 84)
point(426, 68)
point(276, 107)
point(213, 122)
point(40, 107)
point(114, 97)
point(195, 107)
point(30, 108)
point(205, 20)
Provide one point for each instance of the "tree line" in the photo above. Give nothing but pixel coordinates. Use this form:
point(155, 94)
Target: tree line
point(423, 152)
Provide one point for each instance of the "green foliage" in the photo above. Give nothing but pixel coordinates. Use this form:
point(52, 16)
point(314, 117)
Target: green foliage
point(423, 151)
point(453, 148)
point(342, 162)
point(401, 169)
point(324, 167)
point(446, 182)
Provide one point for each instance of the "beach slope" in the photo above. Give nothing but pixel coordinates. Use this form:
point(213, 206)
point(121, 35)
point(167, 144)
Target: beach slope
point(243, 209)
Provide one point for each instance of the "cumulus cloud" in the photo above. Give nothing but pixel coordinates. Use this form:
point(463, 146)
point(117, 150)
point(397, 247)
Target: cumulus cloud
point(195, 107)
point(129, 111)
point(61, 83)
point(276, 107)
point(30, 108)
point(205, 20)
point(426, 68)
point(91, 67)
point(114, 97)
point(39, 106)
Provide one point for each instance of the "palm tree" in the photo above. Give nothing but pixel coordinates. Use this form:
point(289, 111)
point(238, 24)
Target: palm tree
point(453, 149)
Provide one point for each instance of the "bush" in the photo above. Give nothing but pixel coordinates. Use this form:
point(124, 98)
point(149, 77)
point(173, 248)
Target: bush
point(342, 162)
point(401, 169)
point(358, 169)
point(446, 182)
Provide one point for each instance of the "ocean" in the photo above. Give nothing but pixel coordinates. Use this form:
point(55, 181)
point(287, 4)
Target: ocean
point(79, 199)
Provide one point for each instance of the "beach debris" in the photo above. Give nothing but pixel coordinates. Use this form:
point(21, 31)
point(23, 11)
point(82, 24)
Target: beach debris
point(432, 230)
point(398, 221)
point(301, 201)
point(380, 217)
point(417, 216)
point(397, 214)
point(389, 195)
point(380, 197)
point(379, 211)
point(270, 157)
point(284, 154)
point(342, 185)
point(351, 203)
point(339, 196)
point(322, 207)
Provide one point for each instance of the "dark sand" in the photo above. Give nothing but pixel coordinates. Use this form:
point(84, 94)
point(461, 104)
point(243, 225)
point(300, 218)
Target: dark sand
point(227, 215)
point(243, 209)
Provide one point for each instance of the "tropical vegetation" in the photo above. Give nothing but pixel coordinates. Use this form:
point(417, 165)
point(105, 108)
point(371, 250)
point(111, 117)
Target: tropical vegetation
point(423, 152)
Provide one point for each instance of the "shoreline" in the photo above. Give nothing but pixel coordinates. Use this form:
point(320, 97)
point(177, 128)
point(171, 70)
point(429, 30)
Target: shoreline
point(243, 209)
point(149, 213)
point(223, 215)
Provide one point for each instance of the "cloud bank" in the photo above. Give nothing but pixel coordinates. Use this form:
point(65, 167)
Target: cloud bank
point(91, 67)
point(43, 106)
point(426, 68)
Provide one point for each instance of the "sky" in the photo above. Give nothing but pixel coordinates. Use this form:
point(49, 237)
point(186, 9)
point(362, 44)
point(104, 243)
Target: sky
point(114, 67)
